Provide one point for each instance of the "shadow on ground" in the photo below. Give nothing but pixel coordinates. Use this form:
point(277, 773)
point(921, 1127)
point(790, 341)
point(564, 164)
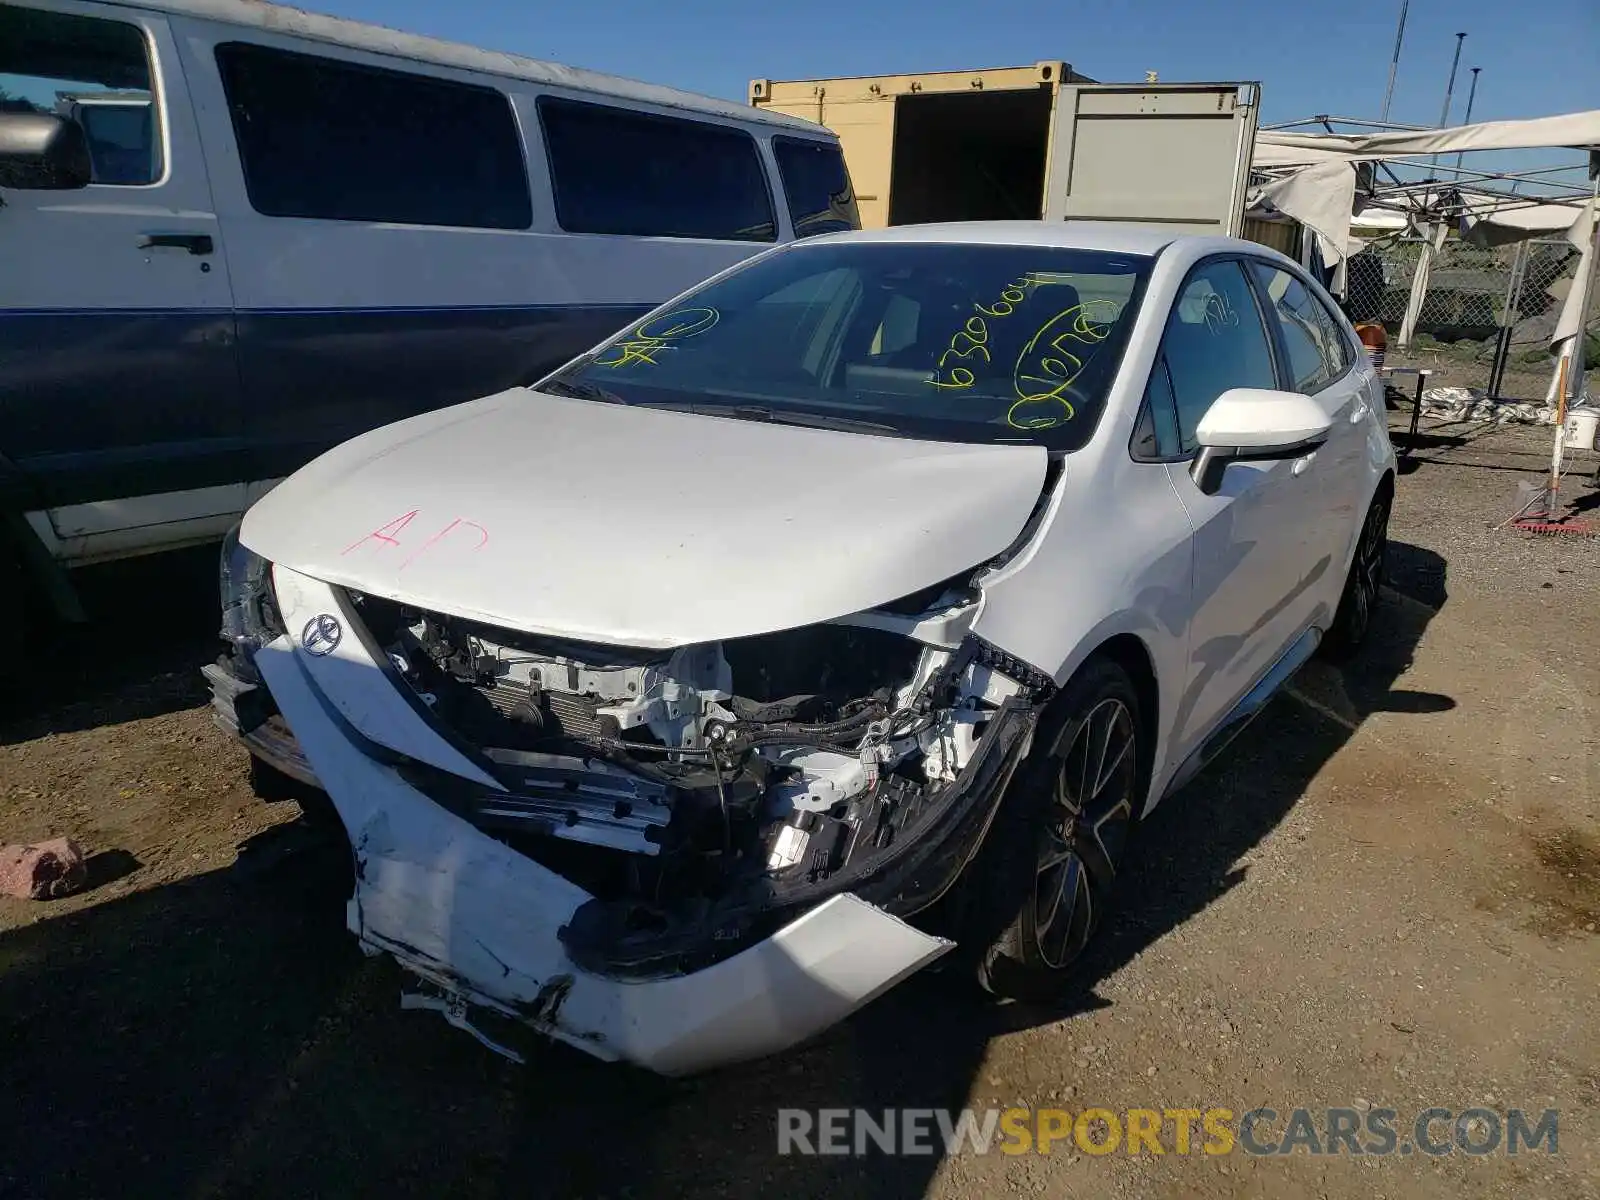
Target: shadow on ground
point(224, 1036)
point(152, 624)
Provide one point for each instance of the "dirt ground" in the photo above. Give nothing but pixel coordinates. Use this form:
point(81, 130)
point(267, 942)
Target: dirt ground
point(1386, 895)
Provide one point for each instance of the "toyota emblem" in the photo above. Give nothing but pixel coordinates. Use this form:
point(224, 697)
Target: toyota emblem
point(321, 635)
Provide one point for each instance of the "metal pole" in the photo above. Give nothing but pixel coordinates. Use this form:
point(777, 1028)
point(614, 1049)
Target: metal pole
point(1472, 94)
point(1394, 62)
point(1508, 320)
point(1450, 87)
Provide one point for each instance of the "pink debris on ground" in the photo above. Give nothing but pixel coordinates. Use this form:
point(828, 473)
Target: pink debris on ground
point(43, 872)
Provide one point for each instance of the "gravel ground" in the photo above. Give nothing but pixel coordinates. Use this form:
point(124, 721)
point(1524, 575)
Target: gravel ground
point(1385, 896)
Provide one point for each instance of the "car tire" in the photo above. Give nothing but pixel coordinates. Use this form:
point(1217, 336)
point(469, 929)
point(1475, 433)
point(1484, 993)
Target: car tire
point(1358, 603)
point(1045, 875)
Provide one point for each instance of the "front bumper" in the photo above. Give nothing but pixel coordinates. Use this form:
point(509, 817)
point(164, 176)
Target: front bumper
point(241, 708)
point(481, 922)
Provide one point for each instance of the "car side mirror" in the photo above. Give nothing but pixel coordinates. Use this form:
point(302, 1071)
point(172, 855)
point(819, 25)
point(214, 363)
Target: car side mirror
point(43, 151)
point(1255, 425)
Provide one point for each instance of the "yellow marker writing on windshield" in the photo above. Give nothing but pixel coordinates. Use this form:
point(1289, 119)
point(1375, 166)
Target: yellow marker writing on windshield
point(657, 334)
point(1047, 367)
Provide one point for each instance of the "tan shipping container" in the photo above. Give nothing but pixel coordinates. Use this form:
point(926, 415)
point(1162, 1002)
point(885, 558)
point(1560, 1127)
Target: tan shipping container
point(1014, 111)
point(1031, 142)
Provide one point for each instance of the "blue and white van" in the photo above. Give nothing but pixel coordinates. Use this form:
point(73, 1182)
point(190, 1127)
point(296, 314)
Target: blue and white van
point(234, 234)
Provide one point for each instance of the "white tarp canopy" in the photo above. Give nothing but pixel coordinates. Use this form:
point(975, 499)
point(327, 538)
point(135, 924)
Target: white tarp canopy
point(1495, 220)
point(1564, 341)
point(1284, 148)
point(1314, 181)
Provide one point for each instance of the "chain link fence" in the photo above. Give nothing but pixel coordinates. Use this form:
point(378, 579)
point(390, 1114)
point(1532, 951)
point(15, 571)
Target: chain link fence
point(1473, 293)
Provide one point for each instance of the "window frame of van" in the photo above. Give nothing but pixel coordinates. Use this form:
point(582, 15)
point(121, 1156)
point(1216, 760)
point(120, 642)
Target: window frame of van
point(159, 129)
point(779, 138)
point(351, 59)
point(765, 160)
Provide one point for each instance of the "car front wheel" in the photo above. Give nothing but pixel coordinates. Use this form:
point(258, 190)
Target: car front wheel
point(1049, 865)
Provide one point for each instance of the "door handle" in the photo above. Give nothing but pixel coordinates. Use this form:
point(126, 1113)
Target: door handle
point(1357, 413)
point(194, 243)
point(1301, 465)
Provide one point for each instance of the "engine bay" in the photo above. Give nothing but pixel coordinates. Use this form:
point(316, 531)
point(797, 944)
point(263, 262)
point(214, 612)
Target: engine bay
point(684, 786)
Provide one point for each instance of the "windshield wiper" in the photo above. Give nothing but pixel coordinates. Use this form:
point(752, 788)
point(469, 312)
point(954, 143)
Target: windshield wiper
point(812, 420)
point(581, 390)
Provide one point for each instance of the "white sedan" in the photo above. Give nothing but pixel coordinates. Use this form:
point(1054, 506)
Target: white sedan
point(662, 701)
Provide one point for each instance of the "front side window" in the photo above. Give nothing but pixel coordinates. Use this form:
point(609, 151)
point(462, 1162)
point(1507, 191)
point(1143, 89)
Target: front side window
point(619, 171)
point(817, 186)
point(1214, 341)
point(92, 71)
point(1312, 340)
point(960, 342)
point(340, 141)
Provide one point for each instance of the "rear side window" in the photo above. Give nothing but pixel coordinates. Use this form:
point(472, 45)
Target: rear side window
point(94, 72)
point(817, 186)
point(618, 171)
point(320, 137)
point(1317, 350)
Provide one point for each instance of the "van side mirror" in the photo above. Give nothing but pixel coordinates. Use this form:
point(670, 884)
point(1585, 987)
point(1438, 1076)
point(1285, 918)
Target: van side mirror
point(42, 151)
point(1255, 425)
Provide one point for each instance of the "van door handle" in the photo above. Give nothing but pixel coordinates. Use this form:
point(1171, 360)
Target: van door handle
point(194, 243)
point(1301, 465)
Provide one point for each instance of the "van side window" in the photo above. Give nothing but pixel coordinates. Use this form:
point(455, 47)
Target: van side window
point(95, 72)
point(817, 186)
point(615, 170)
point(341, 141)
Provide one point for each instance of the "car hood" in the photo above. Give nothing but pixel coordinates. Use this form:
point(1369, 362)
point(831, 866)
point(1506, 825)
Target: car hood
point(637, 526)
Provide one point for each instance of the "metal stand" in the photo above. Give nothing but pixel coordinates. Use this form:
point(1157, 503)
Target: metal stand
point(1422, 374)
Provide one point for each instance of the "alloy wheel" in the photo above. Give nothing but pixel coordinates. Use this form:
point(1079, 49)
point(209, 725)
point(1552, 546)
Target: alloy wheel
point(1091, 812)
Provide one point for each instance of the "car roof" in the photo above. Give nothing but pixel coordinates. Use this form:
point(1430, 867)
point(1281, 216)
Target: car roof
point(1116, 237)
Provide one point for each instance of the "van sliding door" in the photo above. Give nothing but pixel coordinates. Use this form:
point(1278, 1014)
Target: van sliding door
point(1169, 154)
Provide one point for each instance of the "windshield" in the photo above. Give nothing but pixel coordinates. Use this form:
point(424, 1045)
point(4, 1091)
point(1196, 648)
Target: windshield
point(955, 342)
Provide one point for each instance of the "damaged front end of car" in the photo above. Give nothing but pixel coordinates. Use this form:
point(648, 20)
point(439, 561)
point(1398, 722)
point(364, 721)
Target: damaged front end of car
point(706, 795)
point(736, 830)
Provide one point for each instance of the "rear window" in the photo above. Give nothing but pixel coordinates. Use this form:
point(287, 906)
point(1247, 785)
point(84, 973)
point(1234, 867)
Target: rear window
point(817, 186)
point(321, 137)
point(618, 171)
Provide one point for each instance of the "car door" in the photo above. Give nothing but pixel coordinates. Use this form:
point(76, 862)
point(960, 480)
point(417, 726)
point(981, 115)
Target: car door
point(119, 393)
point(1315, 358)
point(1248, 602)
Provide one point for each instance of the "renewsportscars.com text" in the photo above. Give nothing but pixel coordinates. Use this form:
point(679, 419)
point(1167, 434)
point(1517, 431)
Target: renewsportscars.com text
point(1182, 1131)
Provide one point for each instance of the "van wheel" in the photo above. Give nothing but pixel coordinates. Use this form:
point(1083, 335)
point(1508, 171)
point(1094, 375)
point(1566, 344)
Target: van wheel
point(15, 601)
point(1359, 601)
point(1046, 873)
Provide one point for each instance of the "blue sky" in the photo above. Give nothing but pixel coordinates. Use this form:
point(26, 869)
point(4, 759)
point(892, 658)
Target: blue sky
point(1538, 58)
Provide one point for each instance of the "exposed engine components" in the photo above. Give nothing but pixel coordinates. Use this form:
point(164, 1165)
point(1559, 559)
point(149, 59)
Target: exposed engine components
point(729, 775)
